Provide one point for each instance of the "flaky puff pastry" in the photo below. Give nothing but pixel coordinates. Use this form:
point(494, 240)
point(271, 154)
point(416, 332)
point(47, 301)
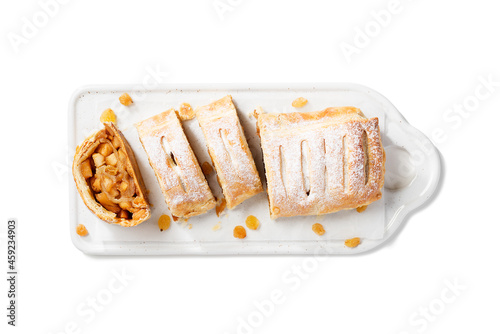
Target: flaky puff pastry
point(181, 180)
point(228, 148)
point(321, 162)
point(109, 180)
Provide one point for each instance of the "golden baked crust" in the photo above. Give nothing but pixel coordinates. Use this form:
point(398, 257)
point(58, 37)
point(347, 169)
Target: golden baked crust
point(228, 148)
point(117, 182)
point(181, 180)
point(321, 162)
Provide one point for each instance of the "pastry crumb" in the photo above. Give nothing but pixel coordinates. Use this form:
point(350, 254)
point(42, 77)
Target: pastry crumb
point(175, 218)
point(216, 227)
point(108, 115)
point(319, 218)
point(257, 111)
point(299, 102)
point(362, 208)
point(185, 112)
point(351, 243)
point(318, 229)
point(220, 206)
point(164, 222)
point(183, 221)
point(239, 232)
point(190, 226)
point(252, 222)
point(125, 99)
point(207, 168)
point(81, 230)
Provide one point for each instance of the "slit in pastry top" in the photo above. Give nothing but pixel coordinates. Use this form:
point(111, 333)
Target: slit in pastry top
point(172, 163)
point(228, 148)
point(321, 162)
point(305, 160)
point(177, 170)
point(282, 171)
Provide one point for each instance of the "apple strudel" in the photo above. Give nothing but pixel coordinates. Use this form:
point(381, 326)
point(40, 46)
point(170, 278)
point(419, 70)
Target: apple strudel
point(321, 162)
point(181, 180)
point(228, 148)
point(108, 178)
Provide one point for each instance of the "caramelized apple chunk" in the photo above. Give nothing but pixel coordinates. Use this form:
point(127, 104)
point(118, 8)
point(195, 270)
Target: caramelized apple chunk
point(121, 155)
point(105, 149)
point(124, 214)
point(86, 169)
point(123, 186)
point(98, 159)
point(139, 202)
point(116, 142)
point(107, 203)
point(114, 192)
point(96, 185)
point(111, 170)
point(111, 160)
point(126, 205)
point(107, 184)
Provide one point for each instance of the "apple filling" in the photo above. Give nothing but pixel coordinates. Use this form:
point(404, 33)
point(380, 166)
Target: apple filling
point(106, 172)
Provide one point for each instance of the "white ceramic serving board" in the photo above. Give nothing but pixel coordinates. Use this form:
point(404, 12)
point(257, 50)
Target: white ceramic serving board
point(413, 171)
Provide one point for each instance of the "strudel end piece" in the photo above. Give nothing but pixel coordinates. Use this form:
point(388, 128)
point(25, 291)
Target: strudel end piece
point(108, 178)
point(228, 148)
point(181, 180)
point(321, 162)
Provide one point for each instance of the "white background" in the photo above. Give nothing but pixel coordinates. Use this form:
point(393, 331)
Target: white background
point(427, 59)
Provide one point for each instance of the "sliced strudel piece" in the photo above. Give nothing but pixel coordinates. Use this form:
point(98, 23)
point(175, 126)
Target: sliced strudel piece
point(181, 180)
point(228, 148)
point(321, 162)
point(108, 178)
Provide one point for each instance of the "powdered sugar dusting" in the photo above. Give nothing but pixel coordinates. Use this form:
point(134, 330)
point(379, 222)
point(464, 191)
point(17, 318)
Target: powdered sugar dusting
point(336, 163)
point(229, 150)
point(185, 188)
